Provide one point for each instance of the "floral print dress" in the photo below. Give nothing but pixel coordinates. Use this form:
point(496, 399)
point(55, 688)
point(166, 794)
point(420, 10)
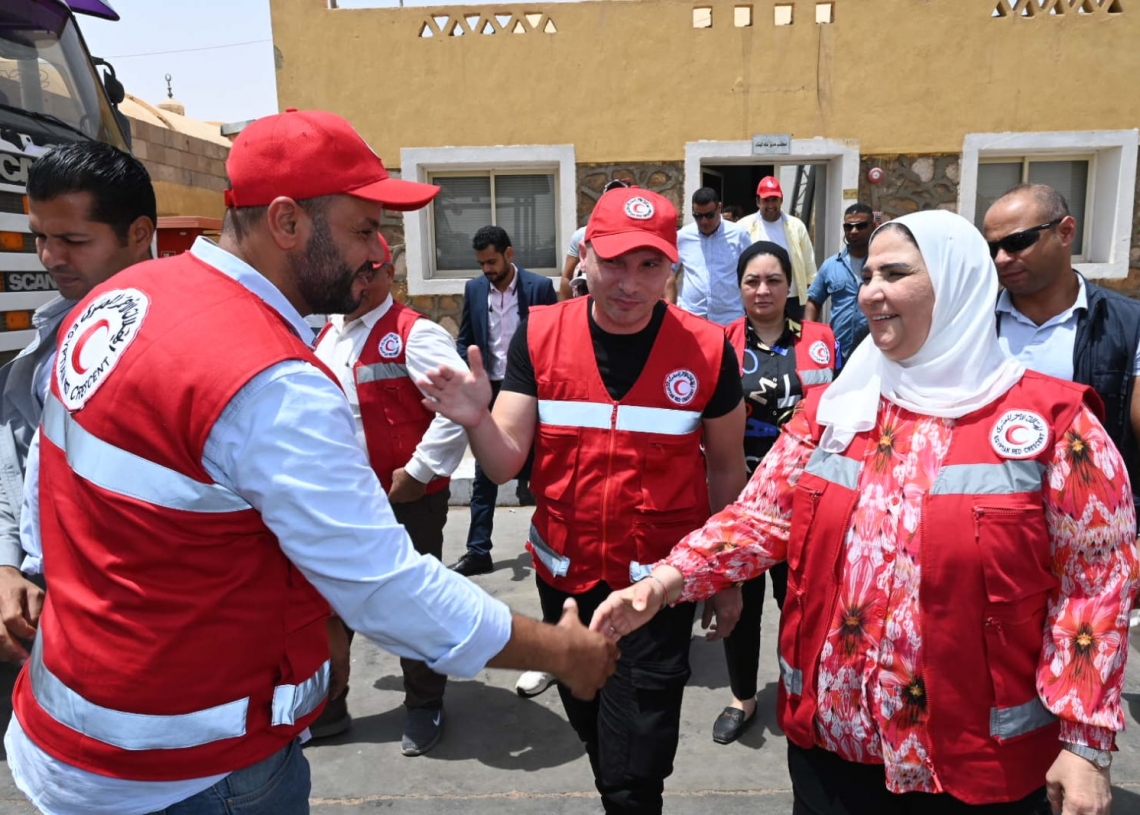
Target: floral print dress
point(871, 694)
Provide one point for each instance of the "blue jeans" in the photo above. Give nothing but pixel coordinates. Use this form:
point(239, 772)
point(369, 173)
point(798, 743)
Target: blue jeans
point(279, 785)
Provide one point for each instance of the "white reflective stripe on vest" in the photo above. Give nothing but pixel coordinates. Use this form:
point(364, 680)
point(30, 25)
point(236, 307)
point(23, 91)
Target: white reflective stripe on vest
point(657, 420)
point(834, 467)
point(1009, 477)
point(133, 731)
point(575, 414)
point(1009, 722)
point(380, 371)
point(629, 418)
point(820, 376)
point(118, 471)
point(793, 678)
point(292, 702)
point(558, 565)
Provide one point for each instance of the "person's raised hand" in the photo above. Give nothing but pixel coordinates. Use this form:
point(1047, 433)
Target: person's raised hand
point(722, 612)
point(21, 602)
point(590, 658)
point(462, 396)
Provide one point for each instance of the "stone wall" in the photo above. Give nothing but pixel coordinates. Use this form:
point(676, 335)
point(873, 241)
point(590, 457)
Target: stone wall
point(666, 178)
point(910, 183)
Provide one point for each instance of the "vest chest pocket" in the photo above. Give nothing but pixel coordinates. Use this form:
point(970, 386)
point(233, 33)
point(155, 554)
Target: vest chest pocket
point(805, 502)
point(667, 483)
point(1014, 550)
point(556, 462)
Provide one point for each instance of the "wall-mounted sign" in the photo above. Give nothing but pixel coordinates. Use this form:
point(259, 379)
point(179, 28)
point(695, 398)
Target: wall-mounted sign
point(779, 144)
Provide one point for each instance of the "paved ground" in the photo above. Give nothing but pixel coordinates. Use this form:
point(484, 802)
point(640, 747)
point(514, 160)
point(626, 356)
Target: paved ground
point(502, 753)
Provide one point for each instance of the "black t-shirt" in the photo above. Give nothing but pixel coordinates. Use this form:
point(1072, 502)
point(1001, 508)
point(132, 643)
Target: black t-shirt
point(772, 388)
point(621, 359)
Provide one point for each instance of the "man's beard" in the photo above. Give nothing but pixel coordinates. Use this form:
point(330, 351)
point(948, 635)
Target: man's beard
point(324, 280)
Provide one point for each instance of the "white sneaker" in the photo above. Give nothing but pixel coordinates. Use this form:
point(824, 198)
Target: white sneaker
point(532, 683)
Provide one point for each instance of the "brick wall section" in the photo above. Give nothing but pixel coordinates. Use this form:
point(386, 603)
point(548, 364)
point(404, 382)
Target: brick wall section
point(176, 158)
point(666, 178)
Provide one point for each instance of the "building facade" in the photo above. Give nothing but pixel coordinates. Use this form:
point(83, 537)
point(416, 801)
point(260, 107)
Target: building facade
point(523, 112)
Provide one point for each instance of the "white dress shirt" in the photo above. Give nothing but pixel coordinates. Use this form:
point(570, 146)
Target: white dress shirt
point(429, 346)
point(287, 444)
point(709, 287)
point(502, 322)
point(1046, 348)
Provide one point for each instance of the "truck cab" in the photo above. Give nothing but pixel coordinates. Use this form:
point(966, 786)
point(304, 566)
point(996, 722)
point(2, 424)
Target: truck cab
point(50, 94)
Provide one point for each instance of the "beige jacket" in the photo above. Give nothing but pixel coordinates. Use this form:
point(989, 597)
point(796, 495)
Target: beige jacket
point(799, 249)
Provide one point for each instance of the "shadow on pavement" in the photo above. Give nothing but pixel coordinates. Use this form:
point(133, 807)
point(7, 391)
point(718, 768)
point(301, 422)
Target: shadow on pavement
point(1125, 802)
point(522, 567)
point(528, 737)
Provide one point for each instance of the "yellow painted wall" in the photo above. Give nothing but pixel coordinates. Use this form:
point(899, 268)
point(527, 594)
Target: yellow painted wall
point(632, 80)
point(178, 199)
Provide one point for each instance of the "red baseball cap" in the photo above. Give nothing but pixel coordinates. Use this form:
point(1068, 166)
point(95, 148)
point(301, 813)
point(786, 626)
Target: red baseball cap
point(628, 219)
point(310, 153)
point(769, 187)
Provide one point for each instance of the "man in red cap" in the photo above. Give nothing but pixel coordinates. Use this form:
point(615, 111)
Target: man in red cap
point(634, 443)
point(200, 508)
point(377, 351)
point(771, 223)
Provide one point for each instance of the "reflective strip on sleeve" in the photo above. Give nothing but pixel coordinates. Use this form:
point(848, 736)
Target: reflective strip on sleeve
point(657, 420)
point(115, 470)
point(380, 371)
point(133, 731)
point(820, 376)
point(1009, 722)
point(593, 415)
point(834, 467)
point(558, 565)
point(793, 678)
point(1009, 477)
point(292, 702)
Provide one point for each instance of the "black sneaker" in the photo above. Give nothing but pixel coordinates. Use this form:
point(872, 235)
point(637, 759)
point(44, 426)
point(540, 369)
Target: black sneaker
point(525, 496)
point(334, 719)
point(473, 563)
point(421, 731)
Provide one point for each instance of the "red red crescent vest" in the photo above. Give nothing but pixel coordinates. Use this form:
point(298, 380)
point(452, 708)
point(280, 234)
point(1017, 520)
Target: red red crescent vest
point(177, 640)
point(815, 351)
point(986, 577)
point(391, 409)
point(616, 484)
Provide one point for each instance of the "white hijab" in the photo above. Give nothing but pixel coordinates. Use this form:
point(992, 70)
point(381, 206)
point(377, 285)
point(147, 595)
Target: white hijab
point(959, 369)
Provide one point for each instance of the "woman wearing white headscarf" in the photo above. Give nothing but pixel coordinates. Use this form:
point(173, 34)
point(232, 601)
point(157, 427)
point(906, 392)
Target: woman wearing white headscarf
point(959, 534)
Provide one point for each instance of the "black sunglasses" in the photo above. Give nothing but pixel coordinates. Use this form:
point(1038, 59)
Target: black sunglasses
point(858, 226)
point(1020, 241)
point(704, 216)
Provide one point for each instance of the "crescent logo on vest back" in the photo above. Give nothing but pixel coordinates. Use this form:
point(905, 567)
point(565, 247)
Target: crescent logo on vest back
point(93, 345)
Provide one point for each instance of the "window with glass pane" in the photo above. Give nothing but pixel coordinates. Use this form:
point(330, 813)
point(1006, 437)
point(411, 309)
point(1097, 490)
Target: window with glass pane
point(522, 204)
point(1069, 177)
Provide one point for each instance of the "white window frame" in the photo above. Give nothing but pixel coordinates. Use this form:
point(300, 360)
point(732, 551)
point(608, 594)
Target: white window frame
point(1090, 189)
point(420, 163)
point(841, 156)
point(1112, 185)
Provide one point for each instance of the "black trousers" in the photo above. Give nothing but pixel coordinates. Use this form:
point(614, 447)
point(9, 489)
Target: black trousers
point(742, 646)
point(825, 784)
point(424, 520)
point(631, 727)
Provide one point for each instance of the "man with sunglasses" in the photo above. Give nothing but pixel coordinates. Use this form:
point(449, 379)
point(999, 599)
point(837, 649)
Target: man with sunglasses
point(840, 278)
point(709, 248)
point(1058, 323)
